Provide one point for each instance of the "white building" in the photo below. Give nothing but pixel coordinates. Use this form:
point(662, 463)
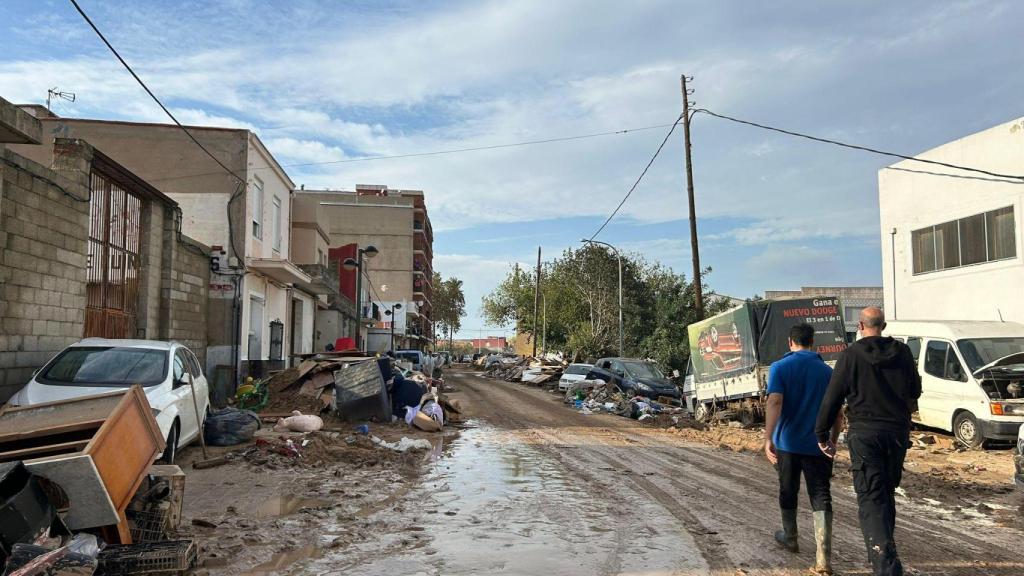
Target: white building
point(951, 239)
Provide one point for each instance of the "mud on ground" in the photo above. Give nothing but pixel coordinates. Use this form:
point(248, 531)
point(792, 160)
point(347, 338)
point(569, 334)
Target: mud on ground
point(268, 508)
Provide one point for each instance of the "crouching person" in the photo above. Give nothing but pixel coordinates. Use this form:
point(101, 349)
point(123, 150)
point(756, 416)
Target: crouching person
point(796, 387)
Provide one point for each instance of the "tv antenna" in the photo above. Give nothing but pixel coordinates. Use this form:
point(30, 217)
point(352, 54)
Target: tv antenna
point(53, 93)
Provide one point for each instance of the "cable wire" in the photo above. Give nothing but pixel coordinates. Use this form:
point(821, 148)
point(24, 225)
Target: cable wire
point(150, 92)
point(858, 147)
point(442, 152)
point(641, 177)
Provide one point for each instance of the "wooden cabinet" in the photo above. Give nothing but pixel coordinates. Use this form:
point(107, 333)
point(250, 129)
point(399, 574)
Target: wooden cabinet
point(96, 448)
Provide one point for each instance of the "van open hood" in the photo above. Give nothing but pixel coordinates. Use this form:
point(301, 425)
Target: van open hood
point(1015, 358)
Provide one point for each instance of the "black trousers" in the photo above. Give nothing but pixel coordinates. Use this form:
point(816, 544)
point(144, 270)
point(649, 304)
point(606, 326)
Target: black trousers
point(817, 473)
point(876, 458)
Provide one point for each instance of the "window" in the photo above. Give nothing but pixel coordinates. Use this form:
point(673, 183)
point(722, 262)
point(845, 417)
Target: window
point(276, 223)
point(940, 361)
point(257, 208)
point(104, 366)
point(980, 238)
point(914, 343)
point(180, 366)
point(978, 352)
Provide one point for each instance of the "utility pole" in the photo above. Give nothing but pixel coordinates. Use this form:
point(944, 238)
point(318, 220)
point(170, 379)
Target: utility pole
point(536, 303)
point(698, 296)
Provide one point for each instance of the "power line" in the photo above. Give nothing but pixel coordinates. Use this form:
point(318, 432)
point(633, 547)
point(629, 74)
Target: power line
point(641, 177)
point(858, 147)
point(442, 152)
point(150, 92)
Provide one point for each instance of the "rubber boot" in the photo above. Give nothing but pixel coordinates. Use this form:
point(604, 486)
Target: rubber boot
point(823, 542)
point(787, 536)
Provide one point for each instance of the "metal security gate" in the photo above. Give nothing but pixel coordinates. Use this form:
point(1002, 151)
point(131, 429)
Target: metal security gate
point(113, 264)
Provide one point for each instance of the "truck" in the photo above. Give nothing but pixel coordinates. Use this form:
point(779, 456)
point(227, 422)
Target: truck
point(731, 352)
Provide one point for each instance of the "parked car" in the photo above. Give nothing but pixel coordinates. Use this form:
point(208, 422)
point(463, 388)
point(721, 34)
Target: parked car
point(467, 358)
point(1018, 460)
point(634, 377)
point(573, 373)
point(971, 376)
point(99, 365)
point(415, 357)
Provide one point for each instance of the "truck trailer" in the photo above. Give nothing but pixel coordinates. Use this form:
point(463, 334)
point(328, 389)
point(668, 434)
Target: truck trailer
point(730, 353)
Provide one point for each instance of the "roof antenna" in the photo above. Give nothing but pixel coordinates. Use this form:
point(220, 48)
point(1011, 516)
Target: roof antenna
point(1000, 312)
point(54, 93)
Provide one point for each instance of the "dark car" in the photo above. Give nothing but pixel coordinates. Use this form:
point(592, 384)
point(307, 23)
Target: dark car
point(634, 377)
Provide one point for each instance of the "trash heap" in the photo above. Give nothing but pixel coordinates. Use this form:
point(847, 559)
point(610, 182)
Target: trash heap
point(596, 396)
point(96, 505)
point(528, 370)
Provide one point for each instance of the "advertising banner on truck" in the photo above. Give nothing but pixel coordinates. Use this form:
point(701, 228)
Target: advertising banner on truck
point(776, 317)
point(723, 345)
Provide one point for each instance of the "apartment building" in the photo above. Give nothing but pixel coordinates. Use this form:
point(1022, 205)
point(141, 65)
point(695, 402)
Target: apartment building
point(951, 239)
point(261, 304)
point(396, 223)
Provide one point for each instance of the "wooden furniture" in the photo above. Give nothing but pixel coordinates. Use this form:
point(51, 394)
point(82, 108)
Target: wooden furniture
point(96, 448)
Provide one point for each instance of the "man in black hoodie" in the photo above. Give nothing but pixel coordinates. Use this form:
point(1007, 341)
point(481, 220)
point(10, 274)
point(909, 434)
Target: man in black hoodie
point(878, 380)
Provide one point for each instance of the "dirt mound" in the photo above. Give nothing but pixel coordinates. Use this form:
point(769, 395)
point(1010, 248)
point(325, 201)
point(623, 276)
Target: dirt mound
point(324, 449)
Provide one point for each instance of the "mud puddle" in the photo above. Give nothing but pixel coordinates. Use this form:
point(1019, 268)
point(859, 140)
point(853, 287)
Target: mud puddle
point(493, 503)
point(284, 505)
point(282, 560)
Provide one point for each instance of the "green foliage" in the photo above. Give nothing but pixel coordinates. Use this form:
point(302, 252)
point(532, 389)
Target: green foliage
point(581, 292)
point(449, 304)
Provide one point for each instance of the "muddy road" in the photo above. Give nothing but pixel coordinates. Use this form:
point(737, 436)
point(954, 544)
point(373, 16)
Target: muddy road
point(534, 487)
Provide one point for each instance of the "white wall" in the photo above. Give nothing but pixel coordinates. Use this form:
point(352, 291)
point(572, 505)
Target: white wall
point(275, 307)
point(910, 201)
point(274, 185)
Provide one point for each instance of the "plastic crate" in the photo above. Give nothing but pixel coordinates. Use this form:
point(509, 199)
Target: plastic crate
point(148, 525)
point(167, 557)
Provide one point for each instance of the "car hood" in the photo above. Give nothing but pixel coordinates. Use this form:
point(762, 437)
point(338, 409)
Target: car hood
point(1008, 360)
point(656, 383)
point(36, 393)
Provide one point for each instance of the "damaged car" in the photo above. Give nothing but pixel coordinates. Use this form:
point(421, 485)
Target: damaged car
point(972, 377)
point(168, 372)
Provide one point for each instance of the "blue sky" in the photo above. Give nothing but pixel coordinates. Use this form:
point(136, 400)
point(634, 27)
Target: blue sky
point(321, 81)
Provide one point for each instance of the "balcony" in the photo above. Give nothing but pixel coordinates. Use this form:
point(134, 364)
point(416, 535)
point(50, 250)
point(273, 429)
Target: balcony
point(322, 282)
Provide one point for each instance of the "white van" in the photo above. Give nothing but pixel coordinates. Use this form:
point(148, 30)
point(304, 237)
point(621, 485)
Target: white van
point(972, 376)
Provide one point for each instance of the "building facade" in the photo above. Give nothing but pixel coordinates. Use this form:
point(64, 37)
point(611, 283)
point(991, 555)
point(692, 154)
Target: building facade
point(87, 249)
point(261, 309)
point(951, 239)
point(853, 298)
point(396, 223)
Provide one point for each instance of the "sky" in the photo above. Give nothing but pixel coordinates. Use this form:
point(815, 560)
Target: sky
point(328, 81)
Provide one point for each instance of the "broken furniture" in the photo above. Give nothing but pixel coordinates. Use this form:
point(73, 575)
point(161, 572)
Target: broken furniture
point(96, 448)
point(26, 511)
point(360, 393)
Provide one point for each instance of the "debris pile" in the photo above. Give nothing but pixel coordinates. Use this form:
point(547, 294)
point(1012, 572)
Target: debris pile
point(275, 450)
point(594, 396)
point(526, 369)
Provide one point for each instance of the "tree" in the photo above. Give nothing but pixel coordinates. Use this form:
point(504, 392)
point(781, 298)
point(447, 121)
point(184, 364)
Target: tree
point(449, 305)
point(581, 291)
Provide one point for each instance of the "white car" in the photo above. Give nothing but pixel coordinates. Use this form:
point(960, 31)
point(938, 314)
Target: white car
point(98, 365)
point(573, 373)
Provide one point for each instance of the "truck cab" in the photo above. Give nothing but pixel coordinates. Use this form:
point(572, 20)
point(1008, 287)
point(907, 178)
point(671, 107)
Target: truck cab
point(972, 376)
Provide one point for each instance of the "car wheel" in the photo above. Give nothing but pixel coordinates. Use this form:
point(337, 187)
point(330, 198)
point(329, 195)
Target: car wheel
point(171, 451)
point(967, 431)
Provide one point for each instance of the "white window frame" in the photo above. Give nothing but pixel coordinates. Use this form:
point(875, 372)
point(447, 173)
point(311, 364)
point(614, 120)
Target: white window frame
point(275, 211)
point(257, 208)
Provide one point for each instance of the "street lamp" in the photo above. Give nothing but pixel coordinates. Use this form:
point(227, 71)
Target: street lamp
point(395, 306)
point(357, 264)
point(619, 256)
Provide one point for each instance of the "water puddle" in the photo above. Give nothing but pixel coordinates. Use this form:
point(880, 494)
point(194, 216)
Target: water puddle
point(282, 560)
point(287, 504)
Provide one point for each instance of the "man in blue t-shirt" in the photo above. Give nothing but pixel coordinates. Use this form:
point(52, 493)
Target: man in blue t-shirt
point(796, 387)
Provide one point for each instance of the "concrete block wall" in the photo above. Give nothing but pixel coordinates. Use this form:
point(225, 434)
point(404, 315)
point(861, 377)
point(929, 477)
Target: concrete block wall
point(43, 236)
point(185, 288)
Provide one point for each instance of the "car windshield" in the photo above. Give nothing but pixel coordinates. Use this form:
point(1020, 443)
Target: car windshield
point(643, 370)
point(978, 352)
point(577, 369)
point(106, 366)
point(411, 356)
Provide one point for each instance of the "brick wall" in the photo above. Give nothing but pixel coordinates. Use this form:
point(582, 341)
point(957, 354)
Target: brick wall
point(42, 267)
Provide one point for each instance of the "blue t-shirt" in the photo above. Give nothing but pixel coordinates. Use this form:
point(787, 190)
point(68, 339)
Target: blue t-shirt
point(801, 377)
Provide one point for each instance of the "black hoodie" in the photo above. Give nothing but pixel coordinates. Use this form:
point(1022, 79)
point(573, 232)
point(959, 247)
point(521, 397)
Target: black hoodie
point(878, 379)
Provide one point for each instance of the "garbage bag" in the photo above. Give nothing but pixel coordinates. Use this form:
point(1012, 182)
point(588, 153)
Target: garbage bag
point(299, 422)
point(434, 410)
point(230, 426)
